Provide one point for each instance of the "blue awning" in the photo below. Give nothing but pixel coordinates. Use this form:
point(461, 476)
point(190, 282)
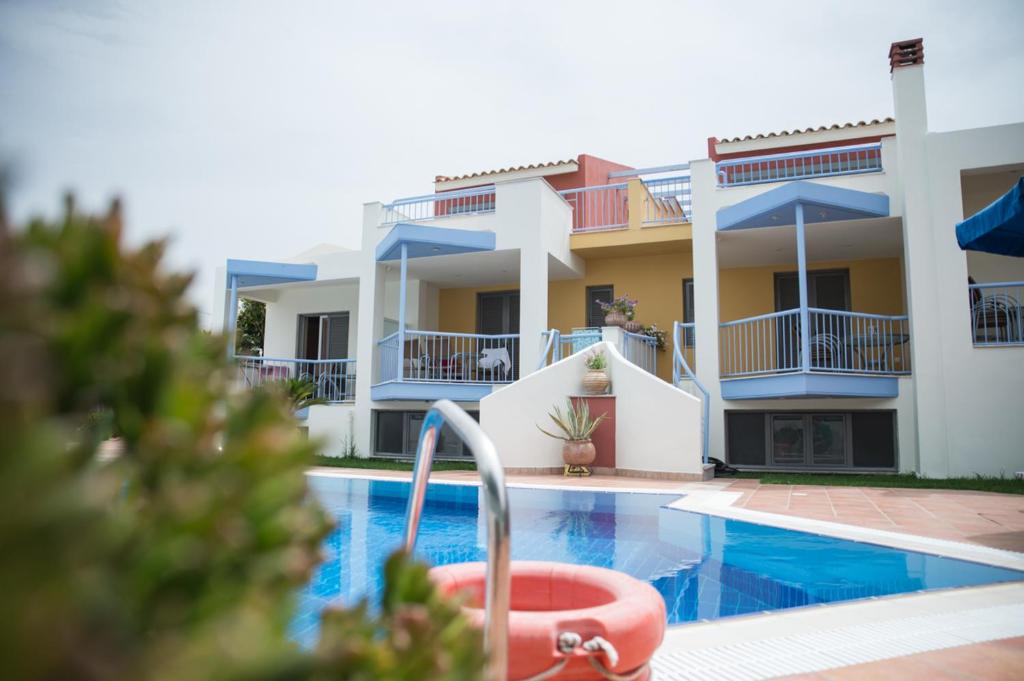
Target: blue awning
point(422, 241)
point(263, 273)
point(822, 203)
point(997, 228)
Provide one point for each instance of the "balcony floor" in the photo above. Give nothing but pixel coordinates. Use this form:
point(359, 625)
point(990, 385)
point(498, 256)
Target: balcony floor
point(809, 385)
point(429, 391)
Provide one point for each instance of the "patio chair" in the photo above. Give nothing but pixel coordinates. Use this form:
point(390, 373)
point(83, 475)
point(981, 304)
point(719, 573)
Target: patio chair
point(826, 349)
point(415, 363)
point(996, 317)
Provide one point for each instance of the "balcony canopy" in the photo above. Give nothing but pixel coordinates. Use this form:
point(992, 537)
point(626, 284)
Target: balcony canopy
point(822, 203)
point(997, 228)
point(262, 273)
point(423, 241)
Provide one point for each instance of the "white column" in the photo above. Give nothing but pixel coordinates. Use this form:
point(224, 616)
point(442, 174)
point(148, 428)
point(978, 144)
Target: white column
point(801, 266)
point(706, 200)
point(924, 301)
point(533, 305)
point(370, 325)
point(232, 314)
point(402, 283)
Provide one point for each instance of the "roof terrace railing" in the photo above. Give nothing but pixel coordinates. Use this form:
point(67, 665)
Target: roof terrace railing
point(851, 160)
point(600, 208)
point(667, 200)
point(473, 201)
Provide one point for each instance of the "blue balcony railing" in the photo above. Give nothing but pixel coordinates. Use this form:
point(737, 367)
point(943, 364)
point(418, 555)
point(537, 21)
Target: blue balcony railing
point(641, 350)
point(556, 345)
point(334, 379)
point(684, 378)
point(443, 357)
point(997, 314)
point(839, 342)
point(800, 165)
point(473, 201)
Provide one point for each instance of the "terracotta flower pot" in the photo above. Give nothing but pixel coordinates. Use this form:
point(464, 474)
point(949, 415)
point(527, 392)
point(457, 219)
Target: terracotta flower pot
point(595, 382)
point(615, 318)
point(579, 452)
point(633, 327)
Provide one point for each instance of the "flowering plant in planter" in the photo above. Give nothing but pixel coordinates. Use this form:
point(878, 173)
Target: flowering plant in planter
point(657, 334)
point(622, 307)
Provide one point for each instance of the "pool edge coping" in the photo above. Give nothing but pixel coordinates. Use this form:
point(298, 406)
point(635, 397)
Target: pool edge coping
point(704, 502)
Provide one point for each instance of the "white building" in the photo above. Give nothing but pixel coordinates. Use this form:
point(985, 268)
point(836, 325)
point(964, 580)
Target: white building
point(822, 302)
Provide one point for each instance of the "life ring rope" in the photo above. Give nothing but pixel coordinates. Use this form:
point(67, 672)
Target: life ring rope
point(570, 642)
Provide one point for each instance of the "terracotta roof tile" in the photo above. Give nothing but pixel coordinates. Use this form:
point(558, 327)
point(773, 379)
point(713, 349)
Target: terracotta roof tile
point(823, 128)
point(484, 173)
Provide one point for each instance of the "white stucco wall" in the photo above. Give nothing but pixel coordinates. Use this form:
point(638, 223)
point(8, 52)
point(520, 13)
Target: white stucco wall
point(281, 328)
point(657, 426)
point(331, 424)
point(966, 397)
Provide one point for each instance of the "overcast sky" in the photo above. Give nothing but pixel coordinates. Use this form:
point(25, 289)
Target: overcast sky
point(256, 130)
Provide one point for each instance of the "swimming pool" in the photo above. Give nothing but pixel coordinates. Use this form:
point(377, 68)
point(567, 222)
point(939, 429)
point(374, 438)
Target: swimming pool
point(705, 567)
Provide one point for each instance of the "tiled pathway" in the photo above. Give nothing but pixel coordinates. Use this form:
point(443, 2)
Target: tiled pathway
point(991, 661)
point(995, 520)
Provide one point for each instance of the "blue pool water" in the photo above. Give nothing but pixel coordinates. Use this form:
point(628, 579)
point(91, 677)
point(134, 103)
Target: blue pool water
point(705, 567)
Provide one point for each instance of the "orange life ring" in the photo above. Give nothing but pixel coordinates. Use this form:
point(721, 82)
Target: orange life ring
point(552, 599)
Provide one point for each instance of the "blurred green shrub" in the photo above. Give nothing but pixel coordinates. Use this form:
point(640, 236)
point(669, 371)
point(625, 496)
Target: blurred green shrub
point(180, 557)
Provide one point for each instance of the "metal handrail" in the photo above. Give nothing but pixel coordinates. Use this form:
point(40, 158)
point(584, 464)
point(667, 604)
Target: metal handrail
point(680, 362)
point(553, 337)
point(492, 476)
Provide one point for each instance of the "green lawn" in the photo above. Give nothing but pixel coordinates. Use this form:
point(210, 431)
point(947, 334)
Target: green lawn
point(389, 464)
point(990, 484)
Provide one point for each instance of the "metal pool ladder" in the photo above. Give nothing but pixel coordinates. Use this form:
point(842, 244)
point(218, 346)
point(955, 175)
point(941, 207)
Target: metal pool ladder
point(492, 477)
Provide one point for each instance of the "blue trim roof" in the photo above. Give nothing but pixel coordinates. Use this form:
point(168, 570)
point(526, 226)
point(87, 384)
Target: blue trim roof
point(822, 203)
point(997, 228)
point(262, 273)
point(424, 240)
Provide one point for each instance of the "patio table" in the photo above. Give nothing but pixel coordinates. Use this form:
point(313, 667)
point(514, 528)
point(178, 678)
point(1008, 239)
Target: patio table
point(860, 342)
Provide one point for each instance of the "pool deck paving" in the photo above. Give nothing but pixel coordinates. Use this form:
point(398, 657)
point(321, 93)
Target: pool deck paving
point(991, 661)
point(951, 521)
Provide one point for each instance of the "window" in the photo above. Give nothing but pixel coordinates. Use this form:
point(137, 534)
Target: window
point(595, 296)
point(396, 433)
point(859, 439)
point(688, 312)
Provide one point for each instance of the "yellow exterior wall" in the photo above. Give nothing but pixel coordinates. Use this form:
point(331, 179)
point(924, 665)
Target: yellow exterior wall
point(876, 287)
point(656, 281)
point(457, 313)
point(636, 238)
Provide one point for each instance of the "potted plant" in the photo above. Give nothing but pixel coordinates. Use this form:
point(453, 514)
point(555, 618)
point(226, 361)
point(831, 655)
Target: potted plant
point(619, 311)
point(576, 427)
point(595, 381)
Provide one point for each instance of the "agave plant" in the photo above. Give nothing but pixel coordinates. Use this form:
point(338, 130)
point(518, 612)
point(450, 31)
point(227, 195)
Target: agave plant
point(575, 424)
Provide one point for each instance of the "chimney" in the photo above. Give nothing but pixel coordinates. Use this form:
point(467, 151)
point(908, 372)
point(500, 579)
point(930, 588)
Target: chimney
point(906, 53)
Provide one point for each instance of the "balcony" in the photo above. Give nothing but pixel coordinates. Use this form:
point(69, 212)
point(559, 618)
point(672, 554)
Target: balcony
point(849, 354)
point(997, 316)
point(659, 201)
point(429, 365)
point(854, 160)
point(334, 380)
